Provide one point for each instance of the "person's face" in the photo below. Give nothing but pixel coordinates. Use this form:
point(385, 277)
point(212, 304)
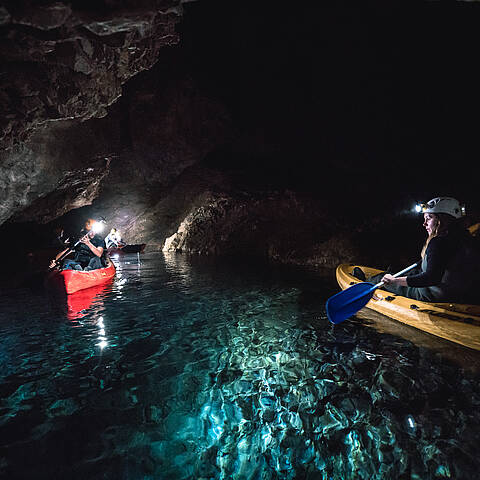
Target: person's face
point(88, 225)
point(430, 221)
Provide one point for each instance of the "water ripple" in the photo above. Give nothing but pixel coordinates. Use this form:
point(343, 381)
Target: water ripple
point(195, 369)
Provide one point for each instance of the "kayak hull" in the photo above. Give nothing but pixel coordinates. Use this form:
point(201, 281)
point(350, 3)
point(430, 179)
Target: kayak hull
point(72, 281)
point(458, 323)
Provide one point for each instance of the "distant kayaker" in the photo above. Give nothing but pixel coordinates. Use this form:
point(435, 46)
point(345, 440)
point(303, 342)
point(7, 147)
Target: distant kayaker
point(450, 265)
point(89, 252)
point(114, 239)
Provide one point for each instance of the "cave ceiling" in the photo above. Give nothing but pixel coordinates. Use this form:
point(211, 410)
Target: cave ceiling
point(69, 60)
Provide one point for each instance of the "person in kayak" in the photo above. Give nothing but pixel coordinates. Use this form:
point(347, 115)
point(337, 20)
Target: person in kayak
point(114, 239)
point(89, 253)
point(450, 261)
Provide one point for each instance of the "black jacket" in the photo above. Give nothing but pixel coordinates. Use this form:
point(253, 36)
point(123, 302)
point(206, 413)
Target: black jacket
point(451, 264)
point(83, 254)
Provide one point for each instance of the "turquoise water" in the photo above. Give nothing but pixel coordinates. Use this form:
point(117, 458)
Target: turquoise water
point(198, 369)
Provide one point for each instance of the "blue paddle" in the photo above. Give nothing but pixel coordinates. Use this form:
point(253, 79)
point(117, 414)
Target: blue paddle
point(346, 303)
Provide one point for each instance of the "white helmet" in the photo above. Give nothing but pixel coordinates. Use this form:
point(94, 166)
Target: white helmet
point(448, 205)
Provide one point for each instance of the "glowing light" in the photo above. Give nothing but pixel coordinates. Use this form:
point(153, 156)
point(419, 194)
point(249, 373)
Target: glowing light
point(242, 444)
point(97, 227)
point(266, 439)
point(418, 208)
point(217, 431)
point(101, 334)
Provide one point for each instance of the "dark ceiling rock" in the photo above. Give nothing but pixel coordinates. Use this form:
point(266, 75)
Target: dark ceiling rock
point(75, 189)
point(58, 169)
point(69, 60)
point(156, 131)
point(163, 125)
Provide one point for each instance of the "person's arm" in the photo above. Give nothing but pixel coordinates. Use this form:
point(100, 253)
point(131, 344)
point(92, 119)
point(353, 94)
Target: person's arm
point(438, 253)
point(98, 251)
point(59, 255)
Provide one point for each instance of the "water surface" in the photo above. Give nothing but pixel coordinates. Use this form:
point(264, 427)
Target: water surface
point(202, 369)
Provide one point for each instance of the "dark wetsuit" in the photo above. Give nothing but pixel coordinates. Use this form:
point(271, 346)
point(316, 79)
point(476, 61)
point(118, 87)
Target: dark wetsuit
point(449, 273)
point(85, 258)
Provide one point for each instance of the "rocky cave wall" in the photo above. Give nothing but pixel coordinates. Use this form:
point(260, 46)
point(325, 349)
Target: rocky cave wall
point(296, 136)
point(62, 64)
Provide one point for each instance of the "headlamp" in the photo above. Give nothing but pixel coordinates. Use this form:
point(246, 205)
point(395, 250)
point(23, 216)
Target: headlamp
point(97, 227)
point(420, 207)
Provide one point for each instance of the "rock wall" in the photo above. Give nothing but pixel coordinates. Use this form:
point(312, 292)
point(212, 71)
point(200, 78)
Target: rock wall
point(64, 63)
point(60, 168)
point(65, 60)
point(286, 227)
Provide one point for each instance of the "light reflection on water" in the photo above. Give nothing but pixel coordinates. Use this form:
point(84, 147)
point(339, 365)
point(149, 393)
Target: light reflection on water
point(201, 370)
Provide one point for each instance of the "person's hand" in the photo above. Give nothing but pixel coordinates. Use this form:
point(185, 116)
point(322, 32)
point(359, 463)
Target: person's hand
point(85, 239)
point(389, 279)
point(53, 263)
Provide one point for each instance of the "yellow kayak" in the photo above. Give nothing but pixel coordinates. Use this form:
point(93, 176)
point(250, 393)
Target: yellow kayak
point(458, 323)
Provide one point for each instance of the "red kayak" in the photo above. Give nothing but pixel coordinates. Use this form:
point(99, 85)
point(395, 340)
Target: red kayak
point(72, 281)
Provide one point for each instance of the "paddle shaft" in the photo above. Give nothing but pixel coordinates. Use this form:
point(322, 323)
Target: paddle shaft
point(68, 252)
point(401, 272)
point(381, 284)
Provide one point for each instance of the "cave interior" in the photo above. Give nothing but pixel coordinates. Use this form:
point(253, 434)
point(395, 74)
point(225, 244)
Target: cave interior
point(294, 134)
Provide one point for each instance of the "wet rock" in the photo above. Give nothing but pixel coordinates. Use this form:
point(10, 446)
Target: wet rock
point(153, 414)
point(333, 420)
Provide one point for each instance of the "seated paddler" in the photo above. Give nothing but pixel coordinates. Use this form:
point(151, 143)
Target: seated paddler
point(450, 265)
point(114, 239)
point(89, 252)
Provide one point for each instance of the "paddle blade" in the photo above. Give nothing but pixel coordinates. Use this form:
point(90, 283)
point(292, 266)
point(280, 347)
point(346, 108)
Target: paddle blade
point(346, 303)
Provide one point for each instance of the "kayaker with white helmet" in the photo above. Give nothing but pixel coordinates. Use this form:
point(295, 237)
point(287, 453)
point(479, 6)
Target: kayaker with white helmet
point(450, 265)
point(114, 239)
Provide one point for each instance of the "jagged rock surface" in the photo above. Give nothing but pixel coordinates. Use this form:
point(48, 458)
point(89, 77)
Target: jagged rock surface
point(149, 137)
point(55, 171)
point(279, 226)
point(64, 60)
